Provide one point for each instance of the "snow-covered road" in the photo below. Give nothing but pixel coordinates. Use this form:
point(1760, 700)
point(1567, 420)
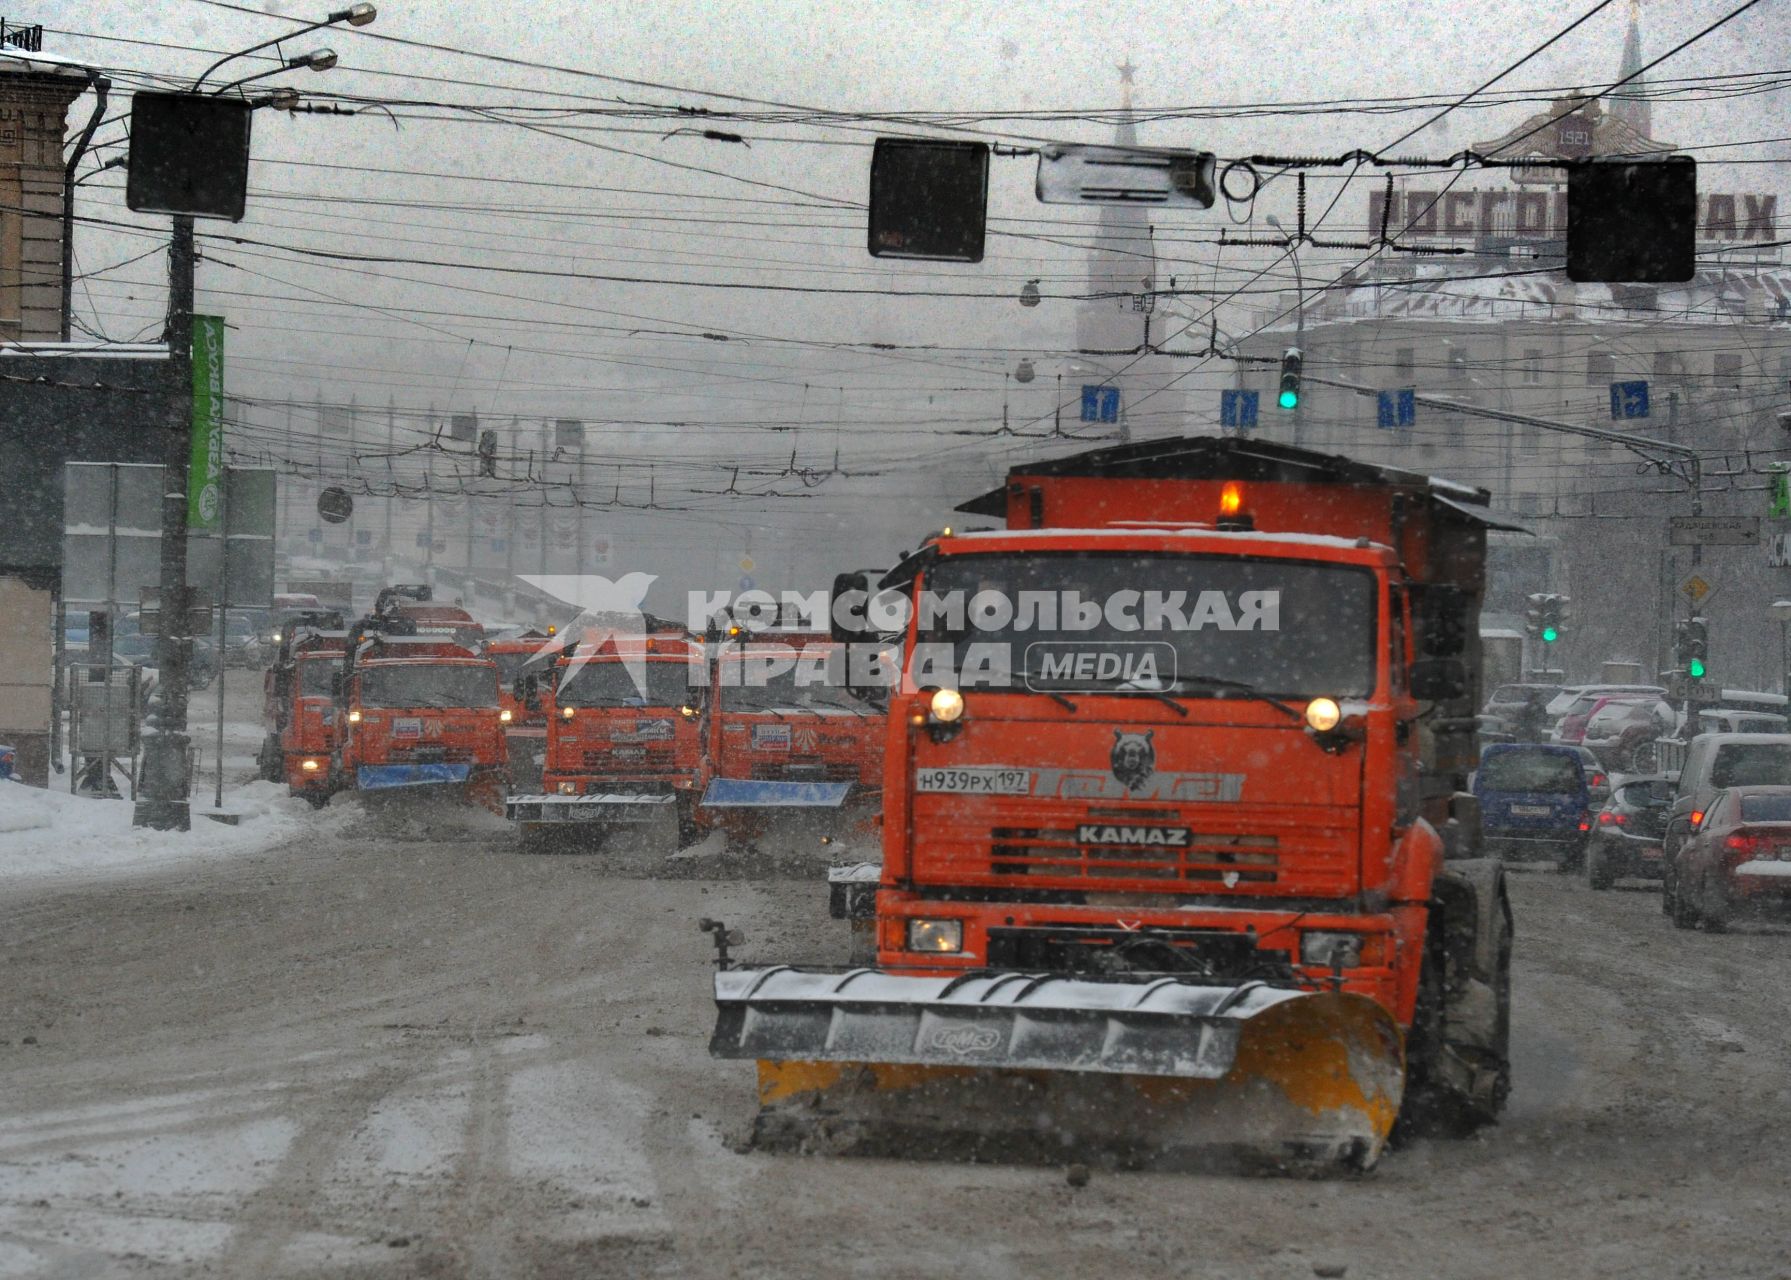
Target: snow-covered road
point(364, 1055)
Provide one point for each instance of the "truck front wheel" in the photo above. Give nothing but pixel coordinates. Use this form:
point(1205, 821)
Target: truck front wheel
point(1458, 1053)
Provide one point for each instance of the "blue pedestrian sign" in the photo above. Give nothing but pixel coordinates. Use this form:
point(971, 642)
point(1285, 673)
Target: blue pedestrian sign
point(1237, 409)
point(1100, 404)
point(1395, 409)
point(1629, 399)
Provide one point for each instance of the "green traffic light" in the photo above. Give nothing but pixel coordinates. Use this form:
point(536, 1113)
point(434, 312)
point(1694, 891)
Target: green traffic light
point(1550, 635)
point(1695, 668)
point(1290, 399)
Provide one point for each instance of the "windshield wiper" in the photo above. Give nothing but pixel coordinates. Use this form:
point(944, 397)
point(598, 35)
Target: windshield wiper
point(1244, 687)
point(1054, 695)
point(1159, 695)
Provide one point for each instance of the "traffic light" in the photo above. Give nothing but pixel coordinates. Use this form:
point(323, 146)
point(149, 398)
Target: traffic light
point(1693, 636)
point(1554, 617)
point(1290, 378)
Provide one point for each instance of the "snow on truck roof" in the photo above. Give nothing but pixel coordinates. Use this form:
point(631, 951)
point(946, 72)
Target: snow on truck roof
point(1231, 458)
point(1329, 541)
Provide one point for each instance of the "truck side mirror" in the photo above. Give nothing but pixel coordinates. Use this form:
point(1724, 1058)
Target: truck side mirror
point(282, 683)
point(855, 590)
point(1443, 621)
point(1438, 679)
point(337, 685)
point(527, 690)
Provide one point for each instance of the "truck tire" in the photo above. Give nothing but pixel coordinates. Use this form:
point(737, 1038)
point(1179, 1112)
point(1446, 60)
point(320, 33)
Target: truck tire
point(1458, 1053)
point(685, 810)
point(270, 761)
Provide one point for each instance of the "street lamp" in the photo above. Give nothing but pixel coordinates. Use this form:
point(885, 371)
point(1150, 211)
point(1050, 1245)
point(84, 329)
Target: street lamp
point(164, 802)
point(316, 60)
point(356, 15)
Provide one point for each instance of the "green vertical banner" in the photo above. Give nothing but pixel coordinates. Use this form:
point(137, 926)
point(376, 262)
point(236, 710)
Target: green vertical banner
point(205, 470)
point(1779, 502)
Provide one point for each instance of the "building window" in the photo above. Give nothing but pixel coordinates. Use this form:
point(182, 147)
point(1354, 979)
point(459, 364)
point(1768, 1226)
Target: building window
point(1600, 368)
point(1532, 366)
point(1404, 362)
point(1728, 370)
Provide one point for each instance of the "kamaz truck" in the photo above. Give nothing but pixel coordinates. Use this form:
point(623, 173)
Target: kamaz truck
point(1177, 855)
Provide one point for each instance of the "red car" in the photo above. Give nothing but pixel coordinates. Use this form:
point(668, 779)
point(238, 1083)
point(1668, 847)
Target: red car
point(1737, 860)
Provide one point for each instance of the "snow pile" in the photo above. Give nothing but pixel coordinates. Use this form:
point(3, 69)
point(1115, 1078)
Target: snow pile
point(51, 834)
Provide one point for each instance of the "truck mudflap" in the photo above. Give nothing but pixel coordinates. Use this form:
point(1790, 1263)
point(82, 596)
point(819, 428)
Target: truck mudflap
point(382, 777)
point(594, 807)
point(1160, 1070)
point(755, 793)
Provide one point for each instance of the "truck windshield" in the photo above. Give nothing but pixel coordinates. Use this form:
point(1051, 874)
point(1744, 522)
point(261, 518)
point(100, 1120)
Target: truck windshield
point(314, 676)
point(427, 685)
point(1153, 621)
point(810, 685)
point(607, 682)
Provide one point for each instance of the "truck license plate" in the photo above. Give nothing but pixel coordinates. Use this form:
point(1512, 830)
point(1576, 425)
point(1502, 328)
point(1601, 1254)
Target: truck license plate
point(983, 782)
point(1531, 810)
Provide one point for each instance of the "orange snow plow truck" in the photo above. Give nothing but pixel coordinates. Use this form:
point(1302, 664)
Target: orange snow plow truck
point(416, 710)
point(298, 705)
point(1177, 845)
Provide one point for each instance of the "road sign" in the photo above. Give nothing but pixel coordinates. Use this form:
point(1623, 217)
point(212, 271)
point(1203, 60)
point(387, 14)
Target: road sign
point(1396, 409)
point(335, 504)
point(1100, 404)
point(1238, 409)
point(1629, 399)
point(1697, 589)
point(1714, 531)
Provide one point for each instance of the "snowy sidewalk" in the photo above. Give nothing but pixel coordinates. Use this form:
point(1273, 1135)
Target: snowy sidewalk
point(51, 835)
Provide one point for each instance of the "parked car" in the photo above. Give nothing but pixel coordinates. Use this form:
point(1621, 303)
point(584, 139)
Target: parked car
point(1534, 801)
point(1625, 838)
point(130, 646)
point(1573, 725)
point(1737, 860)
point(242, 639)
point(1716, 762)
point(1571, 694)
point(1734, 720)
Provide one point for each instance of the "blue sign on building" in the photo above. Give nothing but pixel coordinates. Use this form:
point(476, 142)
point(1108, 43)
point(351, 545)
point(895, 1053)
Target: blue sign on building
point(1394, 409)
point(1629, 399)
point(1100, 404)
point(1237, 409)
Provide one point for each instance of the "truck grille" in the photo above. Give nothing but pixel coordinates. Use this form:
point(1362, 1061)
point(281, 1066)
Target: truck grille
point(1221, 857)
point(433, 755)
point(648, 762)
point(805, 771)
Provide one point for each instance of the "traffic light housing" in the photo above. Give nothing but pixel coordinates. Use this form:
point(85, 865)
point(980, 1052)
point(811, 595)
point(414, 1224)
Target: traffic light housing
point(1693, 643)
point(1290, 378)
point(1533, 614)
point(1553, 618)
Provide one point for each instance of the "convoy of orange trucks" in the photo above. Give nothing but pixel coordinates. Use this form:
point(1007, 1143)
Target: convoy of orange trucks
point(1189, 864)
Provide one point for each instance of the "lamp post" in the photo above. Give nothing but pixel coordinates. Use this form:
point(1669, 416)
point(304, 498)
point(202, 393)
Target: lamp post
point(163, 799)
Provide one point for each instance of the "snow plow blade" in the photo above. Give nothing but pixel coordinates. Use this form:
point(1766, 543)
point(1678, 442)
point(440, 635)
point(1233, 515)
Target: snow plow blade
point(754, 793)
point(595, 807)
point(1165, 1071)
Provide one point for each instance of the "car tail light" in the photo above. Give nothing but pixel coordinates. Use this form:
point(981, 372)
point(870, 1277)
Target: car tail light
point(1738, 847)
point(1607, 819)
point(1600, 780)
point(1585, 821)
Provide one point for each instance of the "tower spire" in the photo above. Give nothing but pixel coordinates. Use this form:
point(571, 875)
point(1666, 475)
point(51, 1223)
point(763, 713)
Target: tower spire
point(1630, 104)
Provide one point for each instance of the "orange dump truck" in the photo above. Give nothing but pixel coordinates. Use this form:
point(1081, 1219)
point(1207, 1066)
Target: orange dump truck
point(518, 657)
point(1176, 853)
point(787, 735)
point(624, 740)
point(298, 705)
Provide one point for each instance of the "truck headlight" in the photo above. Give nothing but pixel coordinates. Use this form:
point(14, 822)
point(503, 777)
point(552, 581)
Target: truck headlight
point(354, 717)
point(689, 713)
point(309, 766)
point(504, 716)
point(568, 789)
point(566, 713)
point(1327, 949)
point(936, 935)
point(947, 705)
point(1323, 714)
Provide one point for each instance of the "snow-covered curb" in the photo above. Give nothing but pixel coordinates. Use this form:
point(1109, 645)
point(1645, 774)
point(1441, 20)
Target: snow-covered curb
point(53, 835)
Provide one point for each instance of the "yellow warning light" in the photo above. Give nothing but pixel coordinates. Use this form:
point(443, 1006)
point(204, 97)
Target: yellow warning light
point(1231, 498)
point(552, 630)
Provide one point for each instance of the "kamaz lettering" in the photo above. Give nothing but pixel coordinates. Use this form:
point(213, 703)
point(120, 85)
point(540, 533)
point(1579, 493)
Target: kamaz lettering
point(1134, 837)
